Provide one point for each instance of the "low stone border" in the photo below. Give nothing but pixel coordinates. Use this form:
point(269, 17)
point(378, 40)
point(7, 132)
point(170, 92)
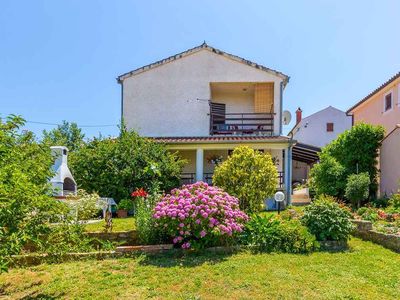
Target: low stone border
point(365, 231)
point(123, 237)
point(144, 248)
point(37, 259)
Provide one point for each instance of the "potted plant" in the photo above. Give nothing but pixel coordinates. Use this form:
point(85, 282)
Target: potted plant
point(124, 206)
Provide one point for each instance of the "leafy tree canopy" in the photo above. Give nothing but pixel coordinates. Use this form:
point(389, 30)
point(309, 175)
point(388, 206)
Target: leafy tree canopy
point(356, 151)
point(25, 202)
point(67, 134)
point(114, 167)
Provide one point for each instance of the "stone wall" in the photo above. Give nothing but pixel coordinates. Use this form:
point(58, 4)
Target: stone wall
point(122, 237)
point(365, 231)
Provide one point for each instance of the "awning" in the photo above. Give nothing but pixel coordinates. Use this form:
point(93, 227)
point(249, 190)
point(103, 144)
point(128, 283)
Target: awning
point(305, 153)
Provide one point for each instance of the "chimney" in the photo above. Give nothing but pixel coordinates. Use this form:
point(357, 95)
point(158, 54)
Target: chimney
point(298, 115)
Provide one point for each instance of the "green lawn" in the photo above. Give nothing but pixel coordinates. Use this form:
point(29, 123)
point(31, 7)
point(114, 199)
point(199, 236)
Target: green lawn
point(367, 271)
point(119, 224)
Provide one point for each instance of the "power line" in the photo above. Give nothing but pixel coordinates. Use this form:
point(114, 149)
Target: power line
point(55, 124)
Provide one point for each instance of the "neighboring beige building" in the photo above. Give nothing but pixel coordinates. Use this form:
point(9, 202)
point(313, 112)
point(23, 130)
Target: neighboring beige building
point(390, 162)
point(382, 107)
point(205, 102)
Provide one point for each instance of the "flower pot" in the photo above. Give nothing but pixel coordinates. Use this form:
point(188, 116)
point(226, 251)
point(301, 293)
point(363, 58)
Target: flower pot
point(122, 213)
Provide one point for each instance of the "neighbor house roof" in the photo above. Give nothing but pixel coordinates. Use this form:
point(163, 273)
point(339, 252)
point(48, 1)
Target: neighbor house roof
point(305, 119)
point(221, 139)
point(377, 90)
point(196, 49)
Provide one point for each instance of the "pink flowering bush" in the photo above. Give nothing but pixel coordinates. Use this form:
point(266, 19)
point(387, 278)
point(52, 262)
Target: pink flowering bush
point(199, 215)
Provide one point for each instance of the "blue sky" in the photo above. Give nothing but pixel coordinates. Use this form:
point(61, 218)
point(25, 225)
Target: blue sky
point(59, 59)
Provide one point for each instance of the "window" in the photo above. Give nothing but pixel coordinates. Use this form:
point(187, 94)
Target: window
point(329, 127)
point(388, 101)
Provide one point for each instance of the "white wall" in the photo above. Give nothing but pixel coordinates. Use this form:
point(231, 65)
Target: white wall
point(300, 171)
point(312, 129)
point(390, 163)
point(162, 101)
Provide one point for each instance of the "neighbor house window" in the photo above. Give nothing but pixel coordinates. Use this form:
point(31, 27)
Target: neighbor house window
point(388, 101)
point(329, 127)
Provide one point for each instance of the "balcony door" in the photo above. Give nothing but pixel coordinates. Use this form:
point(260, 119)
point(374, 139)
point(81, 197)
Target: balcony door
point(218, 111)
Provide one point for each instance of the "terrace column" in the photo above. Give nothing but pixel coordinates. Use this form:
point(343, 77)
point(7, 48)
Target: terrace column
point(199, 164)
point(288, 174)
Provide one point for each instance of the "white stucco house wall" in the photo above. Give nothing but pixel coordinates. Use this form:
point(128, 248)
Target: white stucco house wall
point(63, 182)
point(320, 128)
point(314, 132)
point(204, 102)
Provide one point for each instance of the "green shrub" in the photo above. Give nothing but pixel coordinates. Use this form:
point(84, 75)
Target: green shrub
point(116, 167)
point(83, 206)
point(368, 213)
point(148, 232)
point(394, 204)
point(26, 205)
point(380, 202)
point(126, 204)
point(327, 176)
point(357, 188)
point(69, 238)
point(325, 218)
point(354, 151)
point(248, 175)
point(270, 234)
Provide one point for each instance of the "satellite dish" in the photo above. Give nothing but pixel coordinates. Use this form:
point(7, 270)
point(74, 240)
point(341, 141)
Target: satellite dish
point(287, 117)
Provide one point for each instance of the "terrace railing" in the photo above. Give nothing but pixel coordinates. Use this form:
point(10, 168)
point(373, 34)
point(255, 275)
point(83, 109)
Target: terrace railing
point(241, 123)
point(188, 178)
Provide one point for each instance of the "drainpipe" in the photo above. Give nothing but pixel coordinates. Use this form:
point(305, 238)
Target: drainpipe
point(281, 107)
point(122, 105)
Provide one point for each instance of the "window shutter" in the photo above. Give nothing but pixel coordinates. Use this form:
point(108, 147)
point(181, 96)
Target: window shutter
point(264, 97)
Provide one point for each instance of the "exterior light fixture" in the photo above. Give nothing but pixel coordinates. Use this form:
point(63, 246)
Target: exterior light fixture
point(279, 197)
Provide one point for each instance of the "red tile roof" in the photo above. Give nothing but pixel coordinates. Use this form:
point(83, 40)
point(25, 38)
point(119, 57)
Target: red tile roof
point(382, 86)
point(219, 139)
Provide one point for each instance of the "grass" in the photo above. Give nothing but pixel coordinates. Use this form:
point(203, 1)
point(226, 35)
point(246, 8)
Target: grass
point(367, 271)
point(119, 224)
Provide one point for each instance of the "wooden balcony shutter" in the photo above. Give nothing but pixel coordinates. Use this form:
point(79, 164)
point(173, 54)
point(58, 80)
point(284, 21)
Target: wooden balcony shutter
point(264, 97)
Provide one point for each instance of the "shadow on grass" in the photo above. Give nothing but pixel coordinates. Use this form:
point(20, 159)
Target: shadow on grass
point(41, 296)
point(184, 259)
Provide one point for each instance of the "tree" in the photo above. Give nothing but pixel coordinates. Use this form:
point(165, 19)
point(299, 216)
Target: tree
point(116, 167)
point(354, 151)
point(67, 134)
point(248, 175)
point(328, 176)
point(25, 202)
point(357, 188)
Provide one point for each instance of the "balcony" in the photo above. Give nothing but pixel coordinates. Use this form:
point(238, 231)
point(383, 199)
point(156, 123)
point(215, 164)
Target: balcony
point(241, 123)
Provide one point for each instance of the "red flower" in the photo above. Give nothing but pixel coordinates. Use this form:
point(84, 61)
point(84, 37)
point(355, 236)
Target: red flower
point(139, 193)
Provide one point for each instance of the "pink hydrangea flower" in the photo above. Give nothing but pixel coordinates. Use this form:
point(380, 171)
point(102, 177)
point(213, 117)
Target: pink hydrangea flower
point(204, 209)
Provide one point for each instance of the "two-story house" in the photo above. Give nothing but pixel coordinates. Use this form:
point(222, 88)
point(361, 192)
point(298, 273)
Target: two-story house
point(382, 107)
point(204, 102)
